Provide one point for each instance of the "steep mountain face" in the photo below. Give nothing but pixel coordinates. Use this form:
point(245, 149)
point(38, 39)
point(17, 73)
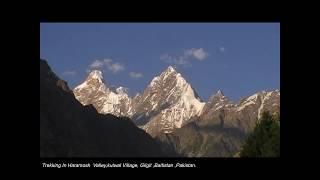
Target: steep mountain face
point(221, 128)
point(167, 103)
point(206, 141)
point(106, 100)
point(69, 129)
point(216, 102)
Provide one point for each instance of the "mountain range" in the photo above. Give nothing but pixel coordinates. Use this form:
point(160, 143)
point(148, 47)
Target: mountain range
point(168, 102)
point(170, 110)
point(167, 119)
point(222, 127)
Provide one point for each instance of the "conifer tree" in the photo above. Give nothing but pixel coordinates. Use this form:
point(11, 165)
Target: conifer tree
point(264, 141)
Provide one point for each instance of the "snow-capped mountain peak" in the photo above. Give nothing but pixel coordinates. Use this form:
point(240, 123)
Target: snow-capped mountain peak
point(168, 72)
point(218, 96)
point(216, 101)
point(167, 102)
point(219, 93)
point(122, 90)
point(95, 74)
point(105, 99)
point(170, 69)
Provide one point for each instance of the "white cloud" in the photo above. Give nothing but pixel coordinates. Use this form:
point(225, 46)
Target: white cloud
point(184, 60)
point(165, 57)
point(115, 67)
point(222, 49)
point(188, 52)
point(181, 60)
point(107, 63)
point(69, 73)
point(96, 64)
point(135, 75)
point(198, 54)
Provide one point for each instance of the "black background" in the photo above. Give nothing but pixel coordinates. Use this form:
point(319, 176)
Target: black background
point(24, 62)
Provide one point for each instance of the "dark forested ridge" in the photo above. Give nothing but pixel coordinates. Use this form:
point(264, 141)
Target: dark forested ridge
point(68, 129)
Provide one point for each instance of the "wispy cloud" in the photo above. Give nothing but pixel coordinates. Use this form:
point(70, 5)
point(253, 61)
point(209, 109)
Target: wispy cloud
point(135, 75)
point(69, 73)
point(165, 57)
point(198, 54)
point(97, 64)
point(186, 57)
point(112, 66)
point(222, 49)
point(181, 60)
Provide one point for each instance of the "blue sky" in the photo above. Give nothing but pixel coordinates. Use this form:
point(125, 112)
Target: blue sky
point(238, 58)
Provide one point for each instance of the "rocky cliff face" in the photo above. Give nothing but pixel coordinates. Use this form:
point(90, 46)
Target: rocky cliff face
point(207, 141)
